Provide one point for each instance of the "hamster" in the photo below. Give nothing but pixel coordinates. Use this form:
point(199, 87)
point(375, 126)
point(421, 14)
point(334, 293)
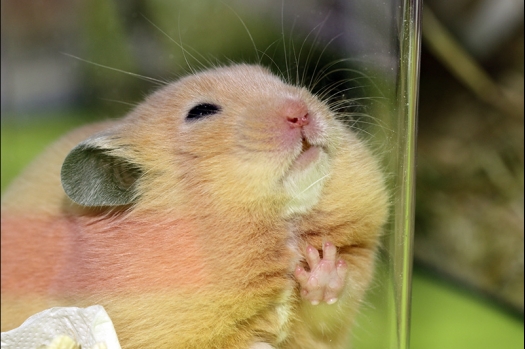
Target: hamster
point(228, 210)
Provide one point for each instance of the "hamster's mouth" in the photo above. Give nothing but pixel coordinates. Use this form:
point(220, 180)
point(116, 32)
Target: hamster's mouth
point(305, 145)
point(309, 154)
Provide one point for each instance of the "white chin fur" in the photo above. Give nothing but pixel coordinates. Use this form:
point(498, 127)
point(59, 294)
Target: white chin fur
point(304, 186)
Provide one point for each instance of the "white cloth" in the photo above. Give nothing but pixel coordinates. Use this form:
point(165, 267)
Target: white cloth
point(87, 326)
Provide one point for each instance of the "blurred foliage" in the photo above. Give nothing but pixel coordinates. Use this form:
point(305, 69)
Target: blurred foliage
point(22, 142)
point(469, 207)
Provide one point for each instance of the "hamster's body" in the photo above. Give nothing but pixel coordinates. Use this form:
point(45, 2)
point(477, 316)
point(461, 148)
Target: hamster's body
point(233, 175)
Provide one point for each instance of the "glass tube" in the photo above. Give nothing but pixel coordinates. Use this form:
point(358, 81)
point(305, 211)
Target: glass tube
point(394, 274)
point(386, 323)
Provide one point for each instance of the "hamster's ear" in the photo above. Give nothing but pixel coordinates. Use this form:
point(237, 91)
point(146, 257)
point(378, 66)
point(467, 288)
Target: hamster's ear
point(97, 173)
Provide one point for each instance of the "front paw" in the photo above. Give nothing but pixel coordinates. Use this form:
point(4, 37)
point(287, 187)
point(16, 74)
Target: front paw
point(326, 279)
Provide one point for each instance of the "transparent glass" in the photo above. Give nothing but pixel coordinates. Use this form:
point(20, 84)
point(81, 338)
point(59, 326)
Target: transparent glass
point(91, 54)
point(386, 324)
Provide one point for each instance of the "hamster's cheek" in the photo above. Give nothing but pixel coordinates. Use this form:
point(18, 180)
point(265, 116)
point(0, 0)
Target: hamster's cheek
point(204, 139)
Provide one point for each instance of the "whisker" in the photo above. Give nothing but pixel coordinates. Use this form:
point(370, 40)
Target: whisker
point(311, 185)
point(143, 77)
point(284, 42)
point(120, 102)
point(274, 63)
point(247, 30)
point(317, 28)
point(180, 45)
point(319, 58)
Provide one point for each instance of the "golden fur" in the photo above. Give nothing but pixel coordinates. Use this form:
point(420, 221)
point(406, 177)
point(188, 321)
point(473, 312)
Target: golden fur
point(205, 256)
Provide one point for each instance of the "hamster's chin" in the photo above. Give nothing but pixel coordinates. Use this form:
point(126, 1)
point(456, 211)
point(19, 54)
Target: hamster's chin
point(305, 180)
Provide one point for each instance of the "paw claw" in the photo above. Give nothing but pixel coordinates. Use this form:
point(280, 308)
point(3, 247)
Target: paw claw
point(331, 301)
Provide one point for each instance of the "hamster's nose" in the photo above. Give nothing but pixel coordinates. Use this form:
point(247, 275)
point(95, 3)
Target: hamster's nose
point(296, 113)
point(298, 121)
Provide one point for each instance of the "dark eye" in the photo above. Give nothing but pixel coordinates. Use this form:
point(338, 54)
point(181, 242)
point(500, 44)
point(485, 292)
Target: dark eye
point(202, 110)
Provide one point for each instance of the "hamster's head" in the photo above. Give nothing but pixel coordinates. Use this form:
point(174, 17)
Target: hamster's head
point(234, 136)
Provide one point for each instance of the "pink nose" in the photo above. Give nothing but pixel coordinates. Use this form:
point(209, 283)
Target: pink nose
point(298, 121)
point(296, 113)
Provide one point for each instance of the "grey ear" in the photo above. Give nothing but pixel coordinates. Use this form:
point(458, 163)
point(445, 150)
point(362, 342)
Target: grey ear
point(92, 175)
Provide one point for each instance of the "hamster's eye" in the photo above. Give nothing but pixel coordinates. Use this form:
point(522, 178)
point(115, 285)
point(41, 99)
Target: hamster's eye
point(202, 110)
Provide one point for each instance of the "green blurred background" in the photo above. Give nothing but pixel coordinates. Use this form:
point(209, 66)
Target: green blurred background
point(468, 277)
